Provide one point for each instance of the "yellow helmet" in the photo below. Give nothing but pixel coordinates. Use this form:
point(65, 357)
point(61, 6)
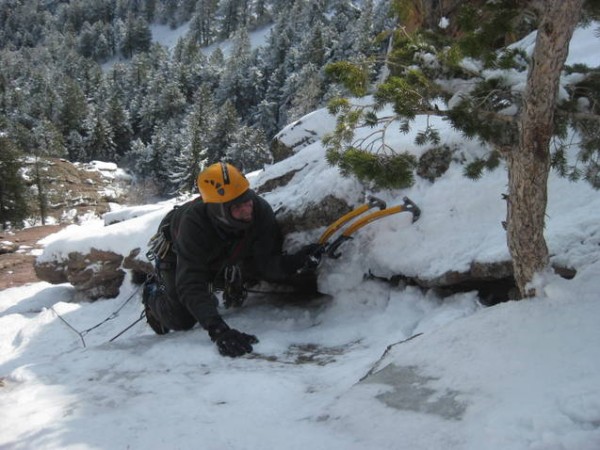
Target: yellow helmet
point(221, 183)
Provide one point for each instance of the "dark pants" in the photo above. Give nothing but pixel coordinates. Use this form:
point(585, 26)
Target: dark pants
point(167, 308)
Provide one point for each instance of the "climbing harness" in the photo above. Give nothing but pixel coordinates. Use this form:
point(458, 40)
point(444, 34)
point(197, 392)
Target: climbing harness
point(234, 291)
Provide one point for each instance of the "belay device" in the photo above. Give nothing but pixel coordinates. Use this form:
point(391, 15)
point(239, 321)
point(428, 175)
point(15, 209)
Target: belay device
point(330, 248)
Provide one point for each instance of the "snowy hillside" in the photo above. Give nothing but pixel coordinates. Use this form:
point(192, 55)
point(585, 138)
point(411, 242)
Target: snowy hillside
point(370, 366)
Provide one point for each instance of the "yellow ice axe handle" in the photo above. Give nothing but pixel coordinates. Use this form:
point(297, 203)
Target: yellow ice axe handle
point(408, 205)
point(331, 229)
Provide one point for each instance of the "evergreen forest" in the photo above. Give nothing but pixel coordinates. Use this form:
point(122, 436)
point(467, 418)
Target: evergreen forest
point(84, 80)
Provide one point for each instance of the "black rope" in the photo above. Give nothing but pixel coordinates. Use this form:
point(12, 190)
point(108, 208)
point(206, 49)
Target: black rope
point(69, 325)
point(142, 315)
point(112, 316)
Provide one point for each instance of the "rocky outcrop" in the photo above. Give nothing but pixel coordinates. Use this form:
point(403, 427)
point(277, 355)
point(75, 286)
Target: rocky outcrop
point(75, 190)
point(493, 281)
point(98, 274)
point(313, 216)
point(95, 275)
point(8, 247)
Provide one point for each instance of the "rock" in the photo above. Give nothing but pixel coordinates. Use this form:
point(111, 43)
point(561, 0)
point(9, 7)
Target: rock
point(8, 247)
point(280, 151)
point(97, 274)
point(139, 267)
point(494, 281)
point(94, 275)
point(274, 183)
point(51, 272)
point(314, 216)
point(434, 162)
point(74, 190)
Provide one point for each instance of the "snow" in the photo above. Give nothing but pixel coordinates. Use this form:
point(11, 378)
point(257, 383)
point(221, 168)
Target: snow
point(168, 37)
point(257, 39)
point(372, 366)
point(108, 170)
point(583, 48)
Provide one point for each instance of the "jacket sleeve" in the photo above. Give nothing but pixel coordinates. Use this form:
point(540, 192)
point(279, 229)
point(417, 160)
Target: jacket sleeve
point(267, 253)
point(193, 276)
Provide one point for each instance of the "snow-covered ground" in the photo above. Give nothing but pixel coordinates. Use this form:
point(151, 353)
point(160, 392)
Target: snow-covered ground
point(339, 372)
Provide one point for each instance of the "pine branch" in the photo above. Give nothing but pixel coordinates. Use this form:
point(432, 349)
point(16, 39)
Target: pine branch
point(586, 116)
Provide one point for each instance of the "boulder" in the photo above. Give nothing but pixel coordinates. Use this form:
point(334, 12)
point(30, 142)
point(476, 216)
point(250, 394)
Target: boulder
point(313, 216)
point(53, 272)
point(8, 247)
point(98, 274)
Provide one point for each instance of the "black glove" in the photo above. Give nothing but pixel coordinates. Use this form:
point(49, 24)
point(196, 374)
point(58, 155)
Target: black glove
point(308, 257)
point(230, 341)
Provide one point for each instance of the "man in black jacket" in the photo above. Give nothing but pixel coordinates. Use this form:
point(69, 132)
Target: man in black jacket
point(214, 240)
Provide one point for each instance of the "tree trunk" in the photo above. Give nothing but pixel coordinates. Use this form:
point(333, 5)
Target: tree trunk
point(41, 193)
point(529, 165)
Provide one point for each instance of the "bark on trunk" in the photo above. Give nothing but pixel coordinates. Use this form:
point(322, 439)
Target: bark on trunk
point(529, 165)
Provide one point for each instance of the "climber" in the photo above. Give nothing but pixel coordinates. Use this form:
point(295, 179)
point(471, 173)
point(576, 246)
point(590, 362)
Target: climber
point(224, 240)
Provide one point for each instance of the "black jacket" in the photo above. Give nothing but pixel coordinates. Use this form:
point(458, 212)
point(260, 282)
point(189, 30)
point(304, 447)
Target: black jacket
point(202, 250)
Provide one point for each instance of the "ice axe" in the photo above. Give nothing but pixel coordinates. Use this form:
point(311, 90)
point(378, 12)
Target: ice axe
point(330, 248)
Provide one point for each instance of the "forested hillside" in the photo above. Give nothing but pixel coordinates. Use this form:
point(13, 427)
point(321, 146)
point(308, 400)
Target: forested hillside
point(84, 80)
point(88, 80)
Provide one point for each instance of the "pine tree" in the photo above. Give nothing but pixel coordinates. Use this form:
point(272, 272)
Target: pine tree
point(227, 121)
point(98, 140)
point(236, 83)
point(47, 143)
point(169, 13)
point(517, 126)
point(191, 66)
point(248, 150)
point(117, 119)
point(193, 157)
point(71, 113)
point(261, 13)
point(363, 32)
point(13, 203)
point(274, 97)
point(136, 37)
point(312, 48)
point(265, 116)
point(233, 16)
point(308, 93)
point(529, 162)
point(169, 142)
point(149, 9)
point(162, 101)
point(86, 41)
point(203, 23)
